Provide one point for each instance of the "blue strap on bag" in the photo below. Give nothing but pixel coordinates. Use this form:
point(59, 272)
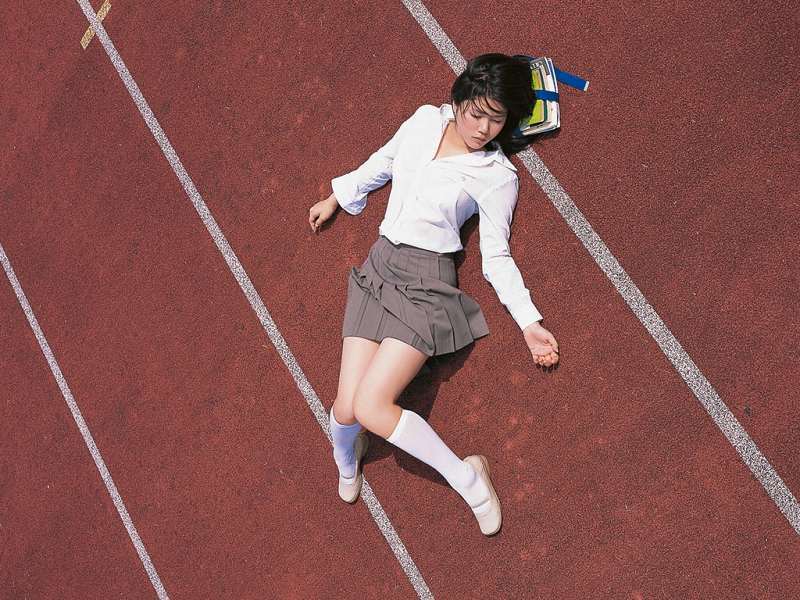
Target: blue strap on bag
point(571, 80)
point(546, 95)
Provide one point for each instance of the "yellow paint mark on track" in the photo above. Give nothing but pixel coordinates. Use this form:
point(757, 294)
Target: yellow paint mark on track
point(101, 14)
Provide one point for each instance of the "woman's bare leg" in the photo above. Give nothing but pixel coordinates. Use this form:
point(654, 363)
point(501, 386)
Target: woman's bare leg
point(357, 353)
point(392, 368)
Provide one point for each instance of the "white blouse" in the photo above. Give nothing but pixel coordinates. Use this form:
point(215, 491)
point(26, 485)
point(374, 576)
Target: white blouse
point(431, 199)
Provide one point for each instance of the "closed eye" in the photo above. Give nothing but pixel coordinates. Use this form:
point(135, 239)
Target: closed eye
point(483, 114)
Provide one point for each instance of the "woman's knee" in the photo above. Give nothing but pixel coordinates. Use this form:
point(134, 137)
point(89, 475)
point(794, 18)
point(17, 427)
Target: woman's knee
point(343, 410)
point(377, 413)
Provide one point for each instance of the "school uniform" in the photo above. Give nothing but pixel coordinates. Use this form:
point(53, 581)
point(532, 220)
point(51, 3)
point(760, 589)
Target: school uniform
point(407, 287)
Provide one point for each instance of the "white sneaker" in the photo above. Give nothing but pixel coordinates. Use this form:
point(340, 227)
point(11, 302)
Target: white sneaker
point(488, 514)
point(350, 488)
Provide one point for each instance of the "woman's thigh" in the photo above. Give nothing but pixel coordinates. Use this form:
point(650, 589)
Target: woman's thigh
point(356, 356)
point(393, 367)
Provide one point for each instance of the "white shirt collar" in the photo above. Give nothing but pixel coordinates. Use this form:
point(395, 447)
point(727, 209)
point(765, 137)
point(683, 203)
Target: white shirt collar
point(481, 157)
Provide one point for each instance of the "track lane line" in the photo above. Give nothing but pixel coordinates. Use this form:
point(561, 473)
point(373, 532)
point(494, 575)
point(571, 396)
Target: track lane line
point(719, 412)
point(243, 279)
point(83, 428)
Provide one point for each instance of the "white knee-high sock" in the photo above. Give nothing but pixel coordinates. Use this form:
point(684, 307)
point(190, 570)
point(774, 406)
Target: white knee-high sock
point(415, 436)
point(344, 437)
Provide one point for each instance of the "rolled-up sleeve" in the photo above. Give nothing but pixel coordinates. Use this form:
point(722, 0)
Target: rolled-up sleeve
point(496, 209)
point(351, 189)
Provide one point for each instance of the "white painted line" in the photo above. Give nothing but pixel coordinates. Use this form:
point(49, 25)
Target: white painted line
point(84, 429)
point(684, 365)
point(236, 268)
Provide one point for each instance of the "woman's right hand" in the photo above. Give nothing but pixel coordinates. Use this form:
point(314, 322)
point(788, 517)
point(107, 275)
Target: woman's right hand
point(321, 212)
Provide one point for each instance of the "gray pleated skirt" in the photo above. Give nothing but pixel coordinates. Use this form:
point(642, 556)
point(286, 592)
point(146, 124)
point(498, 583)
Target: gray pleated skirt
point(411, 294)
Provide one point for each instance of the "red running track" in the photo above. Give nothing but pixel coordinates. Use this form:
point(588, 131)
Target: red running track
point(55, 508)
point(699, 209)
point(614, 480)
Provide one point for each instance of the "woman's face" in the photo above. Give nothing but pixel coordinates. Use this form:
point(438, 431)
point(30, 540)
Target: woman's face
point(479, 121)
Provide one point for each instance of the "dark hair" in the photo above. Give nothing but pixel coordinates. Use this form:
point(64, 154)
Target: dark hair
point(504, 79)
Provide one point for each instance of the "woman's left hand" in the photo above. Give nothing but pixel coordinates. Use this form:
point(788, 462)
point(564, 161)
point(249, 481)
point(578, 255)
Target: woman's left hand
point(542, 344)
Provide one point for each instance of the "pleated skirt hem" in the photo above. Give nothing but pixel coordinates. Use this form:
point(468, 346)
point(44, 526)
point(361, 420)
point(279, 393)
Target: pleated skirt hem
point(411, 294)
